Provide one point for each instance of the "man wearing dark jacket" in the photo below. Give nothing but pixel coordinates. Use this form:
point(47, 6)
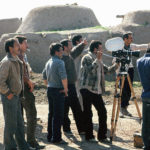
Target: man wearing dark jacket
point(72, 100)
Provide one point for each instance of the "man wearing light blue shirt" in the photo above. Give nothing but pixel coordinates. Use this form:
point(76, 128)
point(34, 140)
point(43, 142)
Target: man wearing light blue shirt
point(54, 75)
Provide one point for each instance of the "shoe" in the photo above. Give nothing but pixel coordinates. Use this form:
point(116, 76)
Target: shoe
point(31, 148)
point(92, 140)
point(68, 133)
point(82, 133)
point(36, 145)
point(106, 140)
point(125, 112)
point(48, 139)
point(121, 115)
point(60, 142)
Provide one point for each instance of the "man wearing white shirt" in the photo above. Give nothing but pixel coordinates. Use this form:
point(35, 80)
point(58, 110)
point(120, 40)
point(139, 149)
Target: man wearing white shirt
point(126, 93)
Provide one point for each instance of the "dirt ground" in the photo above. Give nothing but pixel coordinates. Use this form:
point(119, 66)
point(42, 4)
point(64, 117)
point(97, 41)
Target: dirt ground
point(126, 127)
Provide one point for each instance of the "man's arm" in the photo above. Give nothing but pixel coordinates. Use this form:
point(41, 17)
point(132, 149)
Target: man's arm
point(110, 69)
point(77, 50)
point(44, 76)
point(88, 63)
point(63, 75)
point(4, 72)
point(142, 47)
point(65, 85)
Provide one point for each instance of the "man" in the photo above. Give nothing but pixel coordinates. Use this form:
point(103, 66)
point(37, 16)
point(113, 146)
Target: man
point(54, 75)
point(126, 93)
point(76, 40)
point(11, 83)
point(92, 85)
point(69, 55)
point(143, 65)
point(28, 100)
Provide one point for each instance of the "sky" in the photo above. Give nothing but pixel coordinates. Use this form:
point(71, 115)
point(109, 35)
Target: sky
point(105, 10)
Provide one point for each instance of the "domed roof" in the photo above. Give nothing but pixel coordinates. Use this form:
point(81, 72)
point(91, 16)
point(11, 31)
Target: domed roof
point(137, 17)
point(63, 17)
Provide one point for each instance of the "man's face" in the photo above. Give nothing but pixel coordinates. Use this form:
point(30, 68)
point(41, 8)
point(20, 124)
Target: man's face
point(24, 46)
point(99, 49)
point(69, 47)
point(129, 40)
point(15, 50)
point(59, 53)
point(80, 40)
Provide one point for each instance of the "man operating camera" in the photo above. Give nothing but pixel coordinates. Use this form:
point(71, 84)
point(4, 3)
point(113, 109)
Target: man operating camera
point(126, 93)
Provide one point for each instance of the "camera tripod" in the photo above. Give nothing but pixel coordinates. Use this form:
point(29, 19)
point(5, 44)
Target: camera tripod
point(115, 114)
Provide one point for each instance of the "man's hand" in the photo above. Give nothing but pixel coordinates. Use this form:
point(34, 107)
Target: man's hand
point(31, 85)
point(99, 55)
point(10, 96)
point(66, 92)
point(85, 42)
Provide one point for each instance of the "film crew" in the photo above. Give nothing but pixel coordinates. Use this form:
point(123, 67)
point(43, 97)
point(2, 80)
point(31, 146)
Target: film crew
point(143, 65)
point(92, 85)
point(11, 83)
point(126, 92)
point(72, 101)
point(55, 77)
point(27, 97)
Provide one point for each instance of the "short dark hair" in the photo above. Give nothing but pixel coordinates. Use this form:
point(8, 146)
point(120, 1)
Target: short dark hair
point(94, 44)
point(75, 39)
point(54, 47)
point(9, 43)
point(126, 35)
point(20, 38)
point(64, 42)
point(148, 50)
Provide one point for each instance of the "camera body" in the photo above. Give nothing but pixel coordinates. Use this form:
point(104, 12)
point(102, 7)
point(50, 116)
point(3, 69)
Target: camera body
point(125, 53)
point(124, 57)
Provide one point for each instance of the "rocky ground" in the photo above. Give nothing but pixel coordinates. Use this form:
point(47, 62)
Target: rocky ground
point(126, 127)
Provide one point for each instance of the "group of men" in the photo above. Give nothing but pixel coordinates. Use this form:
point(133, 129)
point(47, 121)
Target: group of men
point(68, 67)
point(16, 91)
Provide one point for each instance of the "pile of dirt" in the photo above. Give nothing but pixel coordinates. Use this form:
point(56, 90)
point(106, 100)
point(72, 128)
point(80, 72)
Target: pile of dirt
point(63, 17)
point(141, 17)
point(9, 25)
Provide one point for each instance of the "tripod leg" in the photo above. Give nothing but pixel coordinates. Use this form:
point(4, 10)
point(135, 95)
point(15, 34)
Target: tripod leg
point(114, 107)
point(135, 101)
point(119, 103)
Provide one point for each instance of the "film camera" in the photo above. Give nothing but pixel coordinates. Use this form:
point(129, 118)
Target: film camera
point(116, 46)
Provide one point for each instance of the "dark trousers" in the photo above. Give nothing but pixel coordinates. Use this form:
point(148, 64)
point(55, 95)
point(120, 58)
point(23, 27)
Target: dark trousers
point(72, 101)
point(56, 113)
point(146, 123)
point(28, 103)
point(90, 98)
point(14, 126)
point(126, 92)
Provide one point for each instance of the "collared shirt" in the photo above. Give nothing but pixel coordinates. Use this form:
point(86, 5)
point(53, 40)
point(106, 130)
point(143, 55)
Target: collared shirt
point(143, 65)
point(25, 73)
point(54, 72)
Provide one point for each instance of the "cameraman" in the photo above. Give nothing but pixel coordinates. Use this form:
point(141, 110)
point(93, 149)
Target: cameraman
point(126, 93)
